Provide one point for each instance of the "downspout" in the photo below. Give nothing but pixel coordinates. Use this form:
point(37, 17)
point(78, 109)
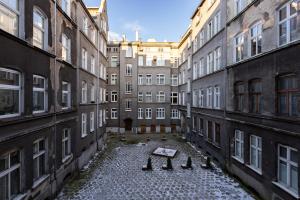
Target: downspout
point(98, 89)
point(54, 102)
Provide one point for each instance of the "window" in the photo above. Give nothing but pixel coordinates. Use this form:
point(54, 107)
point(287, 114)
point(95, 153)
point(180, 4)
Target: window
point(195, 73)
point(66, 6)
point(217, 97)
point(114, 113)
point(174, 80)
point(128, 70)
point(148, 97)
point(194, 123)
point(85, 26)
point(148, 113)
point(255, 152)
point(210, 29)
point(140, 113)
point(188, 108)
point(240, 96)
point(128, 88)
point(255, 96)
point(210, 63)
point(201, 38)
point(83, 92)
point(39, 29)
point(10, 93)
point(148, 79)
point(100, 95)
point(210, 131)
point(83, 124)
point(149, 60)
point(217, 23)
point(129, 52)
point(9, 16)
point(238, 6)
point(100, 118)
point(92, 122)
point(39, 159)
point(66, 48)
point(140, 79)
point(160, 79)
point(288, 95)
point(174, 98)
point(66, 95)
point(161, 97)
point(195, 98)
point(256, 39)
point(39, 94)
point(217, 59)
point(189, 62)
point(114, 62)
point(10, 175)
point(189, 86)
point(238, 48)
point(140, 97)
point(114, 79)
point(201, 126)
point(288, 168)
point(287, 23)
point(66, 144)
point(174, 114)
point(160, 113)
point(160, 61)
point(141, 61)
point(239, 145)
point(114, 96)
point(217, 134)
point(84, 58)
point(183, 98)
point(201, 98)
point(93, 93)
point(209, 97)
point(201, 67)
point(128, 103)
point(92, 64)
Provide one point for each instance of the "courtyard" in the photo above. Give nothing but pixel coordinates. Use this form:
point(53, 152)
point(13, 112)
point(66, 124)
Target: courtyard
point(116, 174)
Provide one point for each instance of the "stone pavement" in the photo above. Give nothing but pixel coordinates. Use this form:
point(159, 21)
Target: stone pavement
point(117, 175)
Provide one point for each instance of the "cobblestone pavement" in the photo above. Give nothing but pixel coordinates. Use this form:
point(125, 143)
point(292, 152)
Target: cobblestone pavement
point(117, 174)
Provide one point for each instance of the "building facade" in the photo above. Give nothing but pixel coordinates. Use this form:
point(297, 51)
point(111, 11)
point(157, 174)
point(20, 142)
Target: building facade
point(144, 98)
point(239, 92)
point(49, 124)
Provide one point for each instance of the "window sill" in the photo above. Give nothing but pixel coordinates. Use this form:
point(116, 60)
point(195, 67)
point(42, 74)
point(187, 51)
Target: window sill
point(20, 197)
point(67, 159)
point(39, 181)
point(9, 116)
point(92, 131)
point(286, 189)
point(38, 112)
point(238, 159)
point(258, 171)
point(83, 136)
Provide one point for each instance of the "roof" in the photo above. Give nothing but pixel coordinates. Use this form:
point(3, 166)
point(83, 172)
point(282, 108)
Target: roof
point(195, 12)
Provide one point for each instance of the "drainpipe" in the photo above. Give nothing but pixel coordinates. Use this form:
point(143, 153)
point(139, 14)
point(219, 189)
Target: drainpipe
point(98, 82)
point(54, 102)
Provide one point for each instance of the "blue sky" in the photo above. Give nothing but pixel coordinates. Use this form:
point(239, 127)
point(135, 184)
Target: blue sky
point(159, 19)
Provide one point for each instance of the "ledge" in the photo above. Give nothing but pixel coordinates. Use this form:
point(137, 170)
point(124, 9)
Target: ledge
point(286, 189)
point(39, 181)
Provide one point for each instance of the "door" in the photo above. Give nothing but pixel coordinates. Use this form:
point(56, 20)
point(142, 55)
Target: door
point(143, 128)
point(173, 128)
point(128, 124)
point(162, 129)
point(153, 128)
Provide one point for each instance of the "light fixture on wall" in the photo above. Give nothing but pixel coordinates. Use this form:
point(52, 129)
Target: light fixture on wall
point(296, 4)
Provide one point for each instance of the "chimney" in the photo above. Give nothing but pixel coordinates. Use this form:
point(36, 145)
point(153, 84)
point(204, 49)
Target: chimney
point(137, 35)
point(123, 37)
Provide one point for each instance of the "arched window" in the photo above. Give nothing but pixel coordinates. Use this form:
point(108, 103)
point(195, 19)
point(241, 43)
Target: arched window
point(40, 29)
point(9, 16)
point(83, 92)
point(10, 93)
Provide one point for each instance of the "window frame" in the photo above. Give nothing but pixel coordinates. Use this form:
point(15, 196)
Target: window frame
point(44, 90)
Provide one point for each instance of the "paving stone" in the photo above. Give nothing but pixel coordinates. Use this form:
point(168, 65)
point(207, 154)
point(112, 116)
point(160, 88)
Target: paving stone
point(117, 175)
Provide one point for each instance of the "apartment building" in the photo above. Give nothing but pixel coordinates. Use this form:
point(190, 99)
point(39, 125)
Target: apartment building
point(263, 95)
point(238, 86)
point(48, 130)
point(146, 97)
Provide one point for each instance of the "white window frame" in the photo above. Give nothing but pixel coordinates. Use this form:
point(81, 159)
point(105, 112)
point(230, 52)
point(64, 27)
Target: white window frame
point(37, 156)
point(217, 97)
point(17, 13)
point(174, 80)
point(42, 29)
point(161, 97)
point(160, 113)
point(258, 150)
point(114, 96)
point(141, 61)
point(66, 138)
point(148, 95)
point(174, 114)
point(66, 48)
point(83, 125)
point(14, 88)
point(92, 122)
point(148, 112)
point(209, 98)
point(93, 64)
point(140, 113)
point(238, 43)
point(257, 36)
point(128, 71)
point(67, 93)
point(84, 92)
point(114, 113)
point(113, 79)
point(128, 88)
point(84, 58)
point(160, 79)
point(148, 79)
point(239, 143)
point(44, 90)
point(140, 79)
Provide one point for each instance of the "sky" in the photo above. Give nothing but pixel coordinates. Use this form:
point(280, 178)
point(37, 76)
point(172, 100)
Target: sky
point(159, 19)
